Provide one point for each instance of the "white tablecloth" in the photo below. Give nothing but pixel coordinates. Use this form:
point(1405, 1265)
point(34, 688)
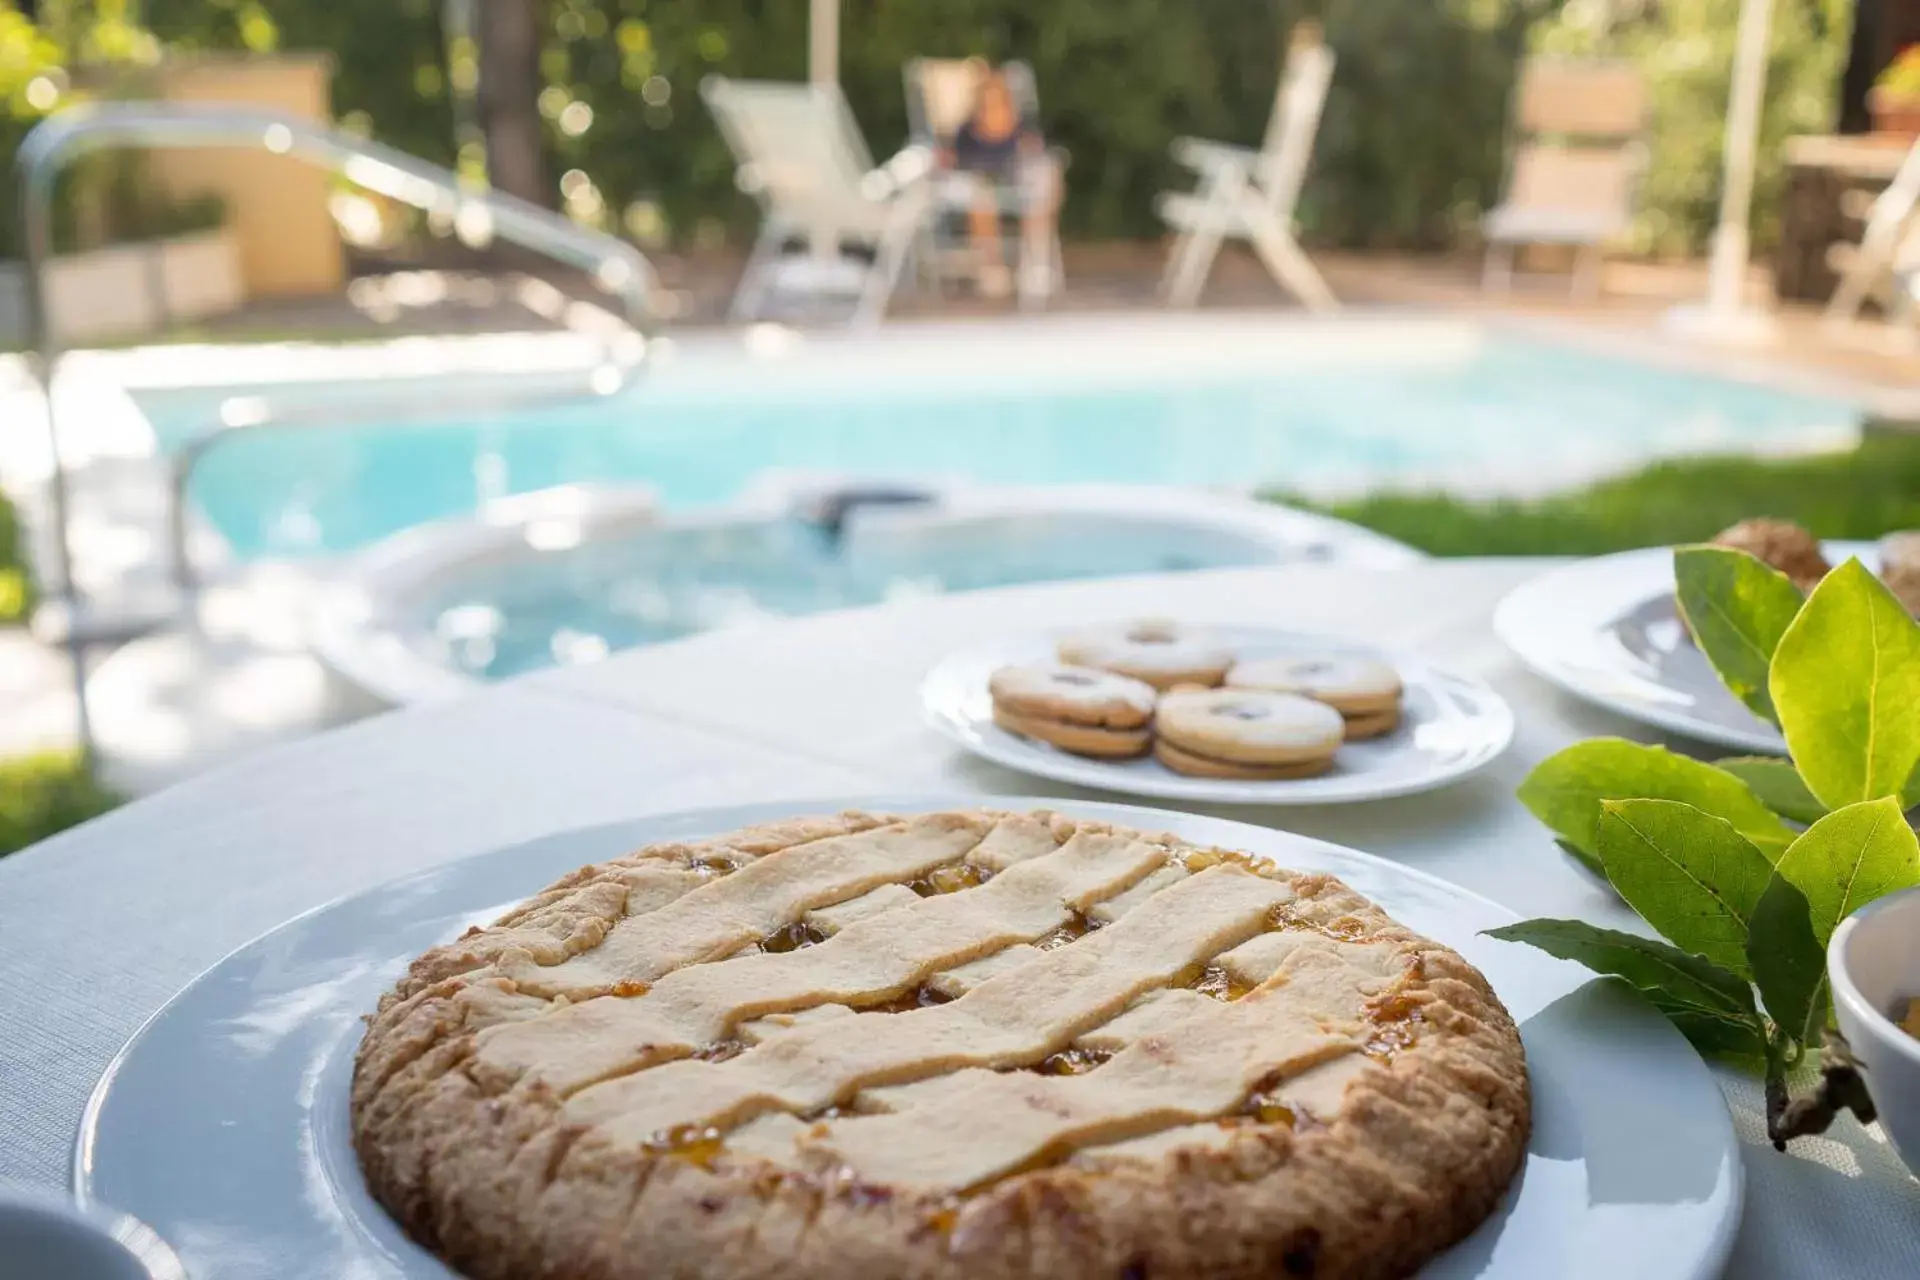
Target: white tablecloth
point(99, 926)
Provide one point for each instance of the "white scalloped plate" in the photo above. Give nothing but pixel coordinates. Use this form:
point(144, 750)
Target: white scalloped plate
point(223, 1123)
point(1606, 630)
point(1449, 727)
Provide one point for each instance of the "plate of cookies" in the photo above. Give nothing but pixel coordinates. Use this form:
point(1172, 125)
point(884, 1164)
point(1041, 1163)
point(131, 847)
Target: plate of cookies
point(1233, 715)
point(1608, 630)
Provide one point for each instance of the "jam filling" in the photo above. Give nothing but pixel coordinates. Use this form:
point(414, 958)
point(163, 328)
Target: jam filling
point(950, 879)
point(1077, 926)
point(695, 1143)
point(792, 937)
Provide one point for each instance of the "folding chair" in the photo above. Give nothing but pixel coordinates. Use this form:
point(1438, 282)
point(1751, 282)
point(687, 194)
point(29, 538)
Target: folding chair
point(801, 155)
point(1887, 260)
point(1250, 195)
point(1577, 157)
point(940, 98)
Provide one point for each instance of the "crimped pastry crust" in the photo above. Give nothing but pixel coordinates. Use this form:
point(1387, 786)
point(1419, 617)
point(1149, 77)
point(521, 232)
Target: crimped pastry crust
point(857, 1045)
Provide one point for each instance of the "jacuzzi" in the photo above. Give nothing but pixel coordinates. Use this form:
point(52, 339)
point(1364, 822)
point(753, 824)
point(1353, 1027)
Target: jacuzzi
point(571, 575)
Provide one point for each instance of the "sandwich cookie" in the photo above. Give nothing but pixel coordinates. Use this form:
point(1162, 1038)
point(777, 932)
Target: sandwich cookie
point(1250, 734)
point(1365, 691)
point(1077, 709)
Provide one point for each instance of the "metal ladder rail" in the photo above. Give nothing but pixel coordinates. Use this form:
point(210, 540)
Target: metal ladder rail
point(616, 266)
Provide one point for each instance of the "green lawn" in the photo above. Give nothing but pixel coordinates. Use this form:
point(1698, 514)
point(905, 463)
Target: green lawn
point(1861, 493)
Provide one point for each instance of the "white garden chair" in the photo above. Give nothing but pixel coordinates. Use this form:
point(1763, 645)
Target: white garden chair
point(1578, 152)
point(1250, 195)
point(1887, 260)
point(801, 155)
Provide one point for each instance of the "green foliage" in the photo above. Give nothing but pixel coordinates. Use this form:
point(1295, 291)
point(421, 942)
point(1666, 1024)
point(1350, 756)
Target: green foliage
point(1411, 147)
point(1689, 874)
point(16, 583)
point(1847, 681)
point(1844, 678)
point(1859, 493)
point(1567, 792)
point(1737, 609)
point(46, 793)
point(1779, 786)
point(1685, 48)
point(1711, 1007)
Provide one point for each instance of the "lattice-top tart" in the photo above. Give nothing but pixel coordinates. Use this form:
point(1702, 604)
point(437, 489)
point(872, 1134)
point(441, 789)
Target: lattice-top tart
point(951, 1045)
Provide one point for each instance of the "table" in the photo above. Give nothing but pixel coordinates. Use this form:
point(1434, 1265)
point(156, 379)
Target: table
point(102, 924)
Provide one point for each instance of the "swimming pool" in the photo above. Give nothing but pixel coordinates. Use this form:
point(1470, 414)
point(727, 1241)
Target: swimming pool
point(1215, 400)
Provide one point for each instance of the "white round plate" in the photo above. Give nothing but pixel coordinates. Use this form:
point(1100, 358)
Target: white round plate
point(1449, 726)
point(223, 1123)
point(1607, 630)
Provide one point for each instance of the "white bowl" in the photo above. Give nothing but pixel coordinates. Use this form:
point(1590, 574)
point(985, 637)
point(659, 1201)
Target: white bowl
point(1873, 964)
point(43, 1235)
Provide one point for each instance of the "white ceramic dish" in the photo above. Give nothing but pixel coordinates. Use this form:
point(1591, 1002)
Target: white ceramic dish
point(1449, 727)
point(44, 1236)
point(1873, 965)
point(224, 1121)
point(1607, 630)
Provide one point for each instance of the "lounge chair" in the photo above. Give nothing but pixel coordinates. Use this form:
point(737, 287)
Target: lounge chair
point(1250, 195)
point(1577, 156)
point(940, 98)
point(801, 155)
point(1887, 261)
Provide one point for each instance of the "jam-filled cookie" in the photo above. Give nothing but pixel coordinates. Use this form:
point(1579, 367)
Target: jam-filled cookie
point(1245, 733)
point(1078, 709)
point(1365, 691)
point(1782, 545)
point(1160, 652)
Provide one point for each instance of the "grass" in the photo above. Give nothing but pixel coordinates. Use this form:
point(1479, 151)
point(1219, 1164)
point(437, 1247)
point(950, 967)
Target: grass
point(1861, 493)
point(45, 793)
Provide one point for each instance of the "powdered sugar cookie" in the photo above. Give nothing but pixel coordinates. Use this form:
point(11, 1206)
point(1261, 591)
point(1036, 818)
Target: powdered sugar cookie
point(1365, 691)
point(1246, 733)
point(1160, 652)
point(1078, 709)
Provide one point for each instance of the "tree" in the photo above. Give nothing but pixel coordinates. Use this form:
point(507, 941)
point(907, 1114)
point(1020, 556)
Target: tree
point(508, 33)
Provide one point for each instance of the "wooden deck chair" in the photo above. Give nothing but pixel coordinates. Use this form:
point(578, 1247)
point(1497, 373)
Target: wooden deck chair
point(1250, 195)
point(1887, 260)
point(801, 155)
point(940, 94)
point(1577, 155)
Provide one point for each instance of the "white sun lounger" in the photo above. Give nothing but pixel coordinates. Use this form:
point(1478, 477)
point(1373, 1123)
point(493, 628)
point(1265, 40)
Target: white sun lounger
point(1887, 260)
point(1250, 195)
point(801, 155)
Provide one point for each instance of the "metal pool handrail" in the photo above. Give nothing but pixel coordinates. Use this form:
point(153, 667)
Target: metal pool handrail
point(616, 266)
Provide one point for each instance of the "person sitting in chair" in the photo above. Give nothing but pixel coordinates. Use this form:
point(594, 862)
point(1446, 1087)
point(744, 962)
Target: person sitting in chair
point(1001, 147)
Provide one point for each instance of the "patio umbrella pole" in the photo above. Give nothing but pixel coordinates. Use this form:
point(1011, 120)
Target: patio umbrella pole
point(1725, 317)
point(823, 42)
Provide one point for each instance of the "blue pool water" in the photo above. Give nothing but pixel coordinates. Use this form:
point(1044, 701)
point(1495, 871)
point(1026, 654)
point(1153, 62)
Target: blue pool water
point(502, 619)
point(1505, 410)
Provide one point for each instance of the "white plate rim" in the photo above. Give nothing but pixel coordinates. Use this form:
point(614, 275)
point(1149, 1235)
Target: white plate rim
point(986, 741)
point(1532, 620)
point(1707, 1263)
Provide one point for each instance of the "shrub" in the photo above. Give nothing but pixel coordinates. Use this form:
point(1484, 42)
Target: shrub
point(16, 583)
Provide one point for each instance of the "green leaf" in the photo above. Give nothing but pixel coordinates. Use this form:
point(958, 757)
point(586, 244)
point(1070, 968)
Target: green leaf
point(1778, 784)
point(1566, 789)
point(1849, 858)
point(1789, 964)
point(1711, 1007)
point(1737, 608)
point(1846, 681)
point(1689, 874)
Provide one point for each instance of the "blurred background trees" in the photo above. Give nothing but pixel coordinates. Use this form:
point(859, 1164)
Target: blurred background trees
point(595, 103)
